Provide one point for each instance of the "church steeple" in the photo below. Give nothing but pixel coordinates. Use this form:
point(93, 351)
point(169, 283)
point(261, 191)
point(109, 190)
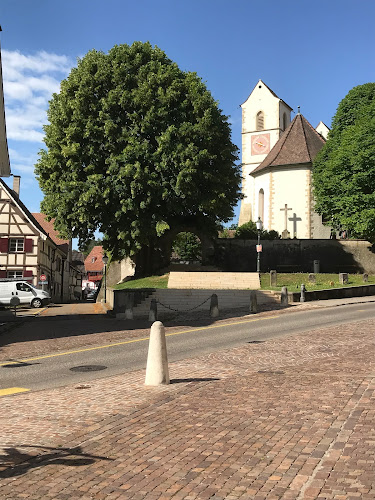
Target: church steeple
point(4, 154)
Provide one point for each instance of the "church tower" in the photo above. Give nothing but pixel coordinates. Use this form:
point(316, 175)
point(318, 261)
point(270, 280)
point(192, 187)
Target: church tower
point(264, 118)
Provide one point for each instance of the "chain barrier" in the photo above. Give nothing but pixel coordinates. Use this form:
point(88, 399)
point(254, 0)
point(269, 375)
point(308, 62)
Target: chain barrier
point(183, 310)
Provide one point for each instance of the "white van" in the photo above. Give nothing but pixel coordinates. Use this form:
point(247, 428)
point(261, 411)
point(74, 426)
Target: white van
point(27, 293)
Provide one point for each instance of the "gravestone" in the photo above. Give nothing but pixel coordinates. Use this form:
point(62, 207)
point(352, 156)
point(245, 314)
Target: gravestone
point(312, 278)
point(273, 278)
point(365, 277)
point(343, 278)
point(285, 234)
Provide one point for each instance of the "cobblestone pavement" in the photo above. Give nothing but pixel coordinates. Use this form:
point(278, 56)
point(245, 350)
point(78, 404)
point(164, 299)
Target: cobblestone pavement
point(288, 418)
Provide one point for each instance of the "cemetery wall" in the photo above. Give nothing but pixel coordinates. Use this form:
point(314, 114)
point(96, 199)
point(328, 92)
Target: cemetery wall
point(351, 256)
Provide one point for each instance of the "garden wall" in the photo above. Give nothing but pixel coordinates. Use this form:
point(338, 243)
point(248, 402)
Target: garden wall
point(351, 256)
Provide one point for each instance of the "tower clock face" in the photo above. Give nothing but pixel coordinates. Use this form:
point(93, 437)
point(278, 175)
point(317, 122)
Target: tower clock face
point(260, 144)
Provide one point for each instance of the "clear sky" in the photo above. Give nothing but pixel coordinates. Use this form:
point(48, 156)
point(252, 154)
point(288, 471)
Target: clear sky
point(310, 53)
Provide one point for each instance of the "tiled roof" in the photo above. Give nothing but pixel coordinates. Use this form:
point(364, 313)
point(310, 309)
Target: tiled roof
point(299, 144)
point(51, 231)
point(96, 254)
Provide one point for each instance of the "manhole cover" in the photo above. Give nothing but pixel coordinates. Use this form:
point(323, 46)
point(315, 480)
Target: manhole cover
point(269, 372)
point(88, 368)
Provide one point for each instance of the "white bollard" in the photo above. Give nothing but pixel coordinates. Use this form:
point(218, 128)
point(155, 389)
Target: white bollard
point(214, 306)
point(153, 314)
point(253, 302)
point(157, 372)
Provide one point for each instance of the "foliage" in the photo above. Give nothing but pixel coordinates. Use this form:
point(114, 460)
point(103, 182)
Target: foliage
point(248, 231)
point(86, 249)
point(344, 170)
point(135, 146)
point(293, 281)
point(187, 246)
point(148, 282)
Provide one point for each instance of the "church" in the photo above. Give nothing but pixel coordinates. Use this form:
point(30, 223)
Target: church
point(277, 156)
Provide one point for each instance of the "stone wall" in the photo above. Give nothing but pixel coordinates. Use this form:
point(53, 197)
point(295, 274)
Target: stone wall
point(335, 256)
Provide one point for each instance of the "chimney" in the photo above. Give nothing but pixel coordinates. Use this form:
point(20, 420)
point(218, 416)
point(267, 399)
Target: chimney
point(16, 184)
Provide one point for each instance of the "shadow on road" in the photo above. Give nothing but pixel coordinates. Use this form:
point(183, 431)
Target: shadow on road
point(15, 462)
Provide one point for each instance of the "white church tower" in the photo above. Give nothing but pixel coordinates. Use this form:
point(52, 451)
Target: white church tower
point(264, 118)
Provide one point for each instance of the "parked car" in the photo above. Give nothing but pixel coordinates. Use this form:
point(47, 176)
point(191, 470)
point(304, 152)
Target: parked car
point(26, 292)
point(91, 295)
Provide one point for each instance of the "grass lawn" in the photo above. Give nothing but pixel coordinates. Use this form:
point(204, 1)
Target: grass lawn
point(149, 282)
point(293, 281)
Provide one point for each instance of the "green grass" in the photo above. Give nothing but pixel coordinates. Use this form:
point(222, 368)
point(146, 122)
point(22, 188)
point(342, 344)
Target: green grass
point(149, 282)
point(293, 281)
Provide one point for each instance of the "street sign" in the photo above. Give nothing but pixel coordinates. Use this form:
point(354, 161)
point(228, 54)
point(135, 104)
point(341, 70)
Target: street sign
point(259, 248)
point(43, 277)
point(42, 282)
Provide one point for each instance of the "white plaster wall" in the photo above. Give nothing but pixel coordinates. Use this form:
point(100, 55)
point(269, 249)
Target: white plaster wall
point(322, 129)
point(290, 188)
point(262, 182)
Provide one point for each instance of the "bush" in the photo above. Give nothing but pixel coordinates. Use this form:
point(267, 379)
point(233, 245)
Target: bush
point(248, 231)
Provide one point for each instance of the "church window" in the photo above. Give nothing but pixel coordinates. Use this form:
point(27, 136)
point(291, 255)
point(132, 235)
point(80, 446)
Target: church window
point(284, 121)
point(261, 204)
point(260, 121)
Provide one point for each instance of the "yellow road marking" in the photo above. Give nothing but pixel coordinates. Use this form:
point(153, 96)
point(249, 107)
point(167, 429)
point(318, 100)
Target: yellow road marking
point(12, 390)
point(39, 311)
point(135, 340)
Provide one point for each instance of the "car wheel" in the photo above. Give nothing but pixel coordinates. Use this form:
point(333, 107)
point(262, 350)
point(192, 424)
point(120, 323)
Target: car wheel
point(36, 303)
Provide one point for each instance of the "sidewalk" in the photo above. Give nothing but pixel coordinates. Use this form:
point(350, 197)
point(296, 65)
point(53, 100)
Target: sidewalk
point(288, 418)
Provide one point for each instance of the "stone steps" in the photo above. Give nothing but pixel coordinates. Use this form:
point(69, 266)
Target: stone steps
point(182, 300)
point(213, 280)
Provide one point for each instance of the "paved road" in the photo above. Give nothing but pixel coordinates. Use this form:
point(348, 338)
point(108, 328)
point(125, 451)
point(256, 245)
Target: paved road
point(56, 369)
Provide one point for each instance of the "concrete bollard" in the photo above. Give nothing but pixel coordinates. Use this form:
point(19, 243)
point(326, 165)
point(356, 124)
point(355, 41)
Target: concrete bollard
point(312, 278)
point(303, 290)
point(157, 372)
point(153, 314)
point(253, 302)
point(365, 278)
point(273, 278)
point(214, 306)
point(284, 296)
point(129, 304)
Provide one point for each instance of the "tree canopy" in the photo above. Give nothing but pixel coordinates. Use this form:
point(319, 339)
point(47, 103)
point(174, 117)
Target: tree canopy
point(135, 146)
point(344, 170)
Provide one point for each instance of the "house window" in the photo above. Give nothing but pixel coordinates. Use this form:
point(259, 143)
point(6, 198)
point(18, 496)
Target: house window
point(93, 260)
point(260, 121)
point(284, 121)
point(15, 274)
point(16, 245)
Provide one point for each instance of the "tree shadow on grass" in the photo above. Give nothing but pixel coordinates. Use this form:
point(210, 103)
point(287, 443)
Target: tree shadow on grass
point(15, 462)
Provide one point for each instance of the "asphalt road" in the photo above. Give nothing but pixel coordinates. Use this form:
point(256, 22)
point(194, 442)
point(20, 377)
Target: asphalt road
point(55, 370)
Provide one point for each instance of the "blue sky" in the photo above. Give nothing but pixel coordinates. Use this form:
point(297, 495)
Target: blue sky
point(311, 53)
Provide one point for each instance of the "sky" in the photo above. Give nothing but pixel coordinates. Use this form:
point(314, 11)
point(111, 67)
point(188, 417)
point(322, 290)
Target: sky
point(310, 53)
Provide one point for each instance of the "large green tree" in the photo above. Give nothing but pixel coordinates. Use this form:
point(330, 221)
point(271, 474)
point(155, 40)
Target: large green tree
point(135, 146)
point(344, 170)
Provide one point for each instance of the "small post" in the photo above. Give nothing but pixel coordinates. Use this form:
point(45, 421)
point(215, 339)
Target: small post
point(129, 303)
point(157, 372)
point(253, 302)
point(316, 266)
point(303, 290)
point(284, 296)
point(153, 314)
point(214, 306)
point(273, 278)
point(343, 278)
point(365, 277)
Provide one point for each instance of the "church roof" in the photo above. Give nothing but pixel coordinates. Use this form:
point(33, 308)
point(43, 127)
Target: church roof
point(300, 143)
point(4, 154)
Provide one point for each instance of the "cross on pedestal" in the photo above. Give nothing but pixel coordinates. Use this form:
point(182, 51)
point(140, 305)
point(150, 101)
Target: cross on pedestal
point(295, 219)
point(286, 215)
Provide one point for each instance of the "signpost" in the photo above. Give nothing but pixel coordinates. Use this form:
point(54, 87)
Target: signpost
point(43, 280)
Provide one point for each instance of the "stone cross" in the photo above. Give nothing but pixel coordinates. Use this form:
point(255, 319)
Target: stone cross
point(294, 219)
point(286, 215)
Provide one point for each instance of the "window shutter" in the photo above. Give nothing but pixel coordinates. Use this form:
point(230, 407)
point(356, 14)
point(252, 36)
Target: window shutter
point(3, 274)
point(27, 274)
point(28, 245)
point(3, 245)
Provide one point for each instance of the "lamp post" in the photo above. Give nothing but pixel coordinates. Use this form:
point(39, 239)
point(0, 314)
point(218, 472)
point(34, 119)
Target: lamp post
point(105, 262)
point(259, 225)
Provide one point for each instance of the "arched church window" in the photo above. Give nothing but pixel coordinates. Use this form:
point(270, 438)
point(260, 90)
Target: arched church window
point(260, 121)
point(261, 204)
point(284, 121)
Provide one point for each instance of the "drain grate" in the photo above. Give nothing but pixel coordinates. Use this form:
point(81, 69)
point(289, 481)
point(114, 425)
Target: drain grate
point(88, 368)
point(269, 372)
